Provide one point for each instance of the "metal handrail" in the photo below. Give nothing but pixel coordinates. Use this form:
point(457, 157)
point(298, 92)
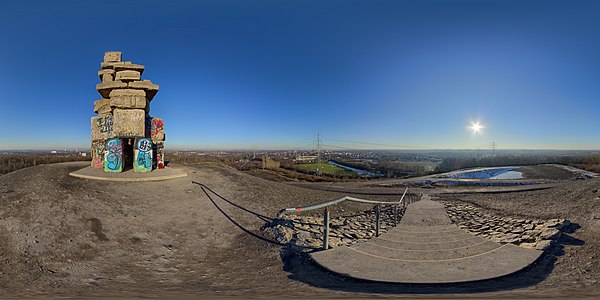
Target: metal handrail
point(336, 201)
point(326, 212)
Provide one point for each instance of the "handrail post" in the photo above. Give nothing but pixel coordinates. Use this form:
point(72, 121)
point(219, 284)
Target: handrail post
point(377, 218)
point(326, 229)
point(396, 214)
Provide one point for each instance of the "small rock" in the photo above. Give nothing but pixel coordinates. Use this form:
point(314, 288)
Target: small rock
point(555, 223)
point(550, 234)
point(518, 230)
point(334, 242)
point(511, 238)
point(543, 245)
point(528, 245)
point(283, 234)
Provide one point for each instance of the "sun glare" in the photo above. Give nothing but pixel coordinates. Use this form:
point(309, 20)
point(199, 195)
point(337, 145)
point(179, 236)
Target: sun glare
point(476, 127)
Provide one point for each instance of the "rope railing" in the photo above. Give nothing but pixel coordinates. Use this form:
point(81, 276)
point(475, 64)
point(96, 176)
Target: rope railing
point(326, 214)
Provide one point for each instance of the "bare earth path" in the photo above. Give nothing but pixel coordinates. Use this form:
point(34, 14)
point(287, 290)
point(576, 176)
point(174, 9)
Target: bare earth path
point(64, 236)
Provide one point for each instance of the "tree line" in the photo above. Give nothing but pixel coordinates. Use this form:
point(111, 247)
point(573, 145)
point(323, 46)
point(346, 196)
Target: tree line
point(13, 162)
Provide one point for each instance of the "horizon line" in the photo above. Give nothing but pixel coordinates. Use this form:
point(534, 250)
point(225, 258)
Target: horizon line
point(214, 149)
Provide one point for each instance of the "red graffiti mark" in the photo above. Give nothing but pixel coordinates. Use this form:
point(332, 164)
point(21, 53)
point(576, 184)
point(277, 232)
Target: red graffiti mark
point(161, 165)
point(157, 126)
point(97, 163)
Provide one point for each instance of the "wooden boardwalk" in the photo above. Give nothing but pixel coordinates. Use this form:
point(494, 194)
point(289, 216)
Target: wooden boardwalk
point(426, 247)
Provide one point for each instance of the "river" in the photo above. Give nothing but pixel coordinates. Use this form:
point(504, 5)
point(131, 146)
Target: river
point(358, 171)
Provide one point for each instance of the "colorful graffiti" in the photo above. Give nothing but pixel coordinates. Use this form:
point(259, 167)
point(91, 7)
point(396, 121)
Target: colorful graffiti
point(157, 129)
point(160, 156)
point(97, 154)
point(143, 155)
point(113, 158)
point(105, 124)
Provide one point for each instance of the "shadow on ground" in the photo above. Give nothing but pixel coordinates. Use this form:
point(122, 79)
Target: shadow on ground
point(208, 192)
point(303, 269)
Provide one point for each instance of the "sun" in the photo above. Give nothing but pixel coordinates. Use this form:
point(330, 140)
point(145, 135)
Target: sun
point(476, 127)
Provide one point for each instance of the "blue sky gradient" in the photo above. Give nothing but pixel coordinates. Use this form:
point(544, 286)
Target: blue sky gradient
point(270, 74)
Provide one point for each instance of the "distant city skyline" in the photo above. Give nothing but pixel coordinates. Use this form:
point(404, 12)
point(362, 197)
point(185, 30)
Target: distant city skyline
point(271, 74)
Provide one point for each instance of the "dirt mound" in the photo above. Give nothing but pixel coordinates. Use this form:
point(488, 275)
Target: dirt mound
point(68, 236)
point(64, 236)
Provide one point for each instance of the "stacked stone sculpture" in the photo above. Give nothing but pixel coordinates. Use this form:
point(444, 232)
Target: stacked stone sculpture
point(123, 133)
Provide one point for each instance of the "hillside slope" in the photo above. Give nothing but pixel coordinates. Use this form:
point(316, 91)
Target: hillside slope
point(64, 236)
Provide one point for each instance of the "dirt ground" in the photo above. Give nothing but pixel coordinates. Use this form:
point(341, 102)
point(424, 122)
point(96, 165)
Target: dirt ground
point(545, 172)
point(69, 237)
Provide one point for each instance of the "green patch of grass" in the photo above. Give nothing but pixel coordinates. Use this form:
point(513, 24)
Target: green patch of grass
point(325, 168)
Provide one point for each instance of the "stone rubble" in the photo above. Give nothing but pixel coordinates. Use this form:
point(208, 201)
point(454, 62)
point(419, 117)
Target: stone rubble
point(526, 233)
point(305, 233)
point(124, 119)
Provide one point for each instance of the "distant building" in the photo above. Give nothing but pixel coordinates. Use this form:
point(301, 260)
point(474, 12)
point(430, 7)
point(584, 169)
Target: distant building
point(53, 151)
point(306, 158)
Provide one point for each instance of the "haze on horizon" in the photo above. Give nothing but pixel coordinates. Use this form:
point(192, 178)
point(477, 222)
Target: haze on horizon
point(271, 74)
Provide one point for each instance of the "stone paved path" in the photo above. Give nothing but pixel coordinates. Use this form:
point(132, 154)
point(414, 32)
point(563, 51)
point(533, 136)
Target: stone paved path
point(426, 248)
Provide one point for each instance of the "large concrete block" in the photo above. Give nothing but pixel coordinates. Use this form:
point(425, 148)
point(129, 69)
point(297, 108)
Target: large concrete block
point(128, 98)
point(102, 107)
point(108, 65)
point(112, 56)
point(155, 129)
point(142, 154)
point(129, 102)
point(128, 75)
point(127, 66)
point(113, 156)
point(102, 127)
point(107, 78)
point(129, 123)
point(103, 72)
point(146, 85)
point(106, 87)
point(159, 155)
point(97, 150)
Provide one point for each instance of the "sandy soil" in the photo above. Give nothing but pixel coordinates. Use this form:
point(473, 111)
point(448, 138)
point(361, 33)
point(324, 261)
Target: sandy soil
point(64, 236)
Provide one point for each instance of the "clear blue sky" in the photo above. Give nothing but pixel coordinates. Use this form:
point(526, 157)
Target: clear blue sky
point(234, 74)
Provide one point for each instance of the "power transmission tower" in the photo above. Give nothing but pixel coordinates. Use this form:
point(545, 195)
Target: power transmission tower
point(493, 145)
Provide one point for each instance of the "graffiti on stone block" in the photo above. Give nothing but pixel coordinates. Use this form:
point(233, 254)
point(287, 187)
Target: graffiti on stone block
point(105, 124)
point(157, 125)
point(143, 159)
point(114, 156)
point(97, 162)
point(123, 134)
point(160, 156)
point(97, 154)
point(157, 129)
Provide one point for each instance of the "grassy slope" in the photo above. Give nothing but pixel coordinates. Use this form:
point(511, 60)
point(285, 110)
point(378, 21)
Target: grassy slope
point(326, 169)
